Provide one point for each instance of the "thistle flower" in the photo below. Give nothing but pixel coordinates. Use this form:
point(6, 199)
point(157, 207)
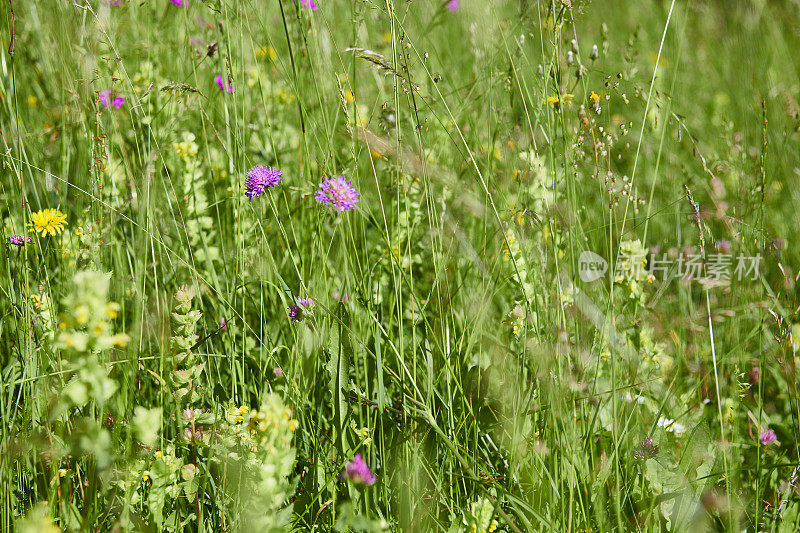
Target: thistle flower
point(109, 97)
point(338, 193)
point(277, 372)
point(18, 240)
point(299, 311)
point(221, 83)
point(452, 5)
point(358, 472)
point(308, 4)
point(645, 450)
point(259, 178)
point(180, 3)
point(48, 221)
point(767, 437)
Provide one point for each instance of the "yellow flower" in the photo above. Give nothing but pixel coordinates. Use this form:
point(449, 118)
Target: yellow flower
point(553, 100)
point(145, 475)
point(62, 472)
point(48, 221)
point(121, 340)
point(31, 100)
point(267, 52)
point(293, 424)
point(595, 97)
point(348, 96)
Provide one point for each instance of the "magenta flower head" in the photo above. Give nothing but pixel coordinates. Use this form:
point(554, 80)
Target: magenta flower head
point(180, 3)
point(767, 437)
point(338, 193)
point(358, 472)
point(223, 324)
point(259, 178)
point(277, 372)
point(309, 4)
point(18, 240)
point(452, 5)
point(221, 84)
point(303, 308)
point(109, 97)
point(341, 297)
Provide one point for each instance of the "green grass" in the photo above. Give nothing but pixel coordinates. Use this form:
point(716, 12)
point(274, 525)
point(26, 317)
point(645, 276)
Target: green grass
point(486, 385)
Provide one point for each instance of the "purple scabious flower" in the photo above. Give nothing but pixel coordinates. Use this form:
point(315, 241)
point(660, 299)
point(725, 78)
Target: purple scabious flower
point(767, 437)
point(221, 84)
point(259, 178)
point(109, 97)
point(180, 3)
point(303, 307)
point(452, 5)
point(277, 372)
point(338, 193)
point(309, 4)
point(358, 472)
point(18, 240)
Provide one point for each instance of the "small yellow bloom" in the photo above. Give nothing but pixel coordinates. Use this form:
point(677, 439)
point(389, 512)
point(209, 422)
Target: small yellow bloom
point(48, 221)
point(62, 472)
point(31, 100)
point(112, 310)
point(554, 99)
point(293, 424)
point(348, 96)
point(267, 52)
point(36, 301)
point(146, 475)
point(243, 409)
point(121, 340)
point(595, 97)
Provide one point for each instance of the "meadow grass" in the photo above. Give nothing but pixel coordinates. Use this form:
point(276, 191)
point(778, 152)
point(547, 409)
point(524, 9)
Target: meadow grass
point(179, 355)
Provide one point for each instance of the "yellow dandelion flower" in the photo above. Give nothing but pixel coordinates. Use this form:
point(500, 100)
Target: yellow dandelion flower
point(48, 221)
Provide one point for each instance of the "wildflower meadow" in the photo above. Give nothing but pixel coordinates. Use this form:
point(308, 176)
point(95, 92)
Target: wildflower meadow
point(399, 265)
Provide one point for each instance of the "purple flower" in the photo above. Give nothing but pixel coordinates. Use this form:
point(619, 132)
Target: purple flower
point(259, 178)
point(338, 193)
point(645, 450)
point(304, 306)
point(358, 472)
point(180, 3)
point(277, 372)
point(223, 325)
point(18, 240)
point(767, 437)
point(341, 297)
point(723, 246)
point(452, 5)
point(221, 83)
point(309, 4)
point(109, 97)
